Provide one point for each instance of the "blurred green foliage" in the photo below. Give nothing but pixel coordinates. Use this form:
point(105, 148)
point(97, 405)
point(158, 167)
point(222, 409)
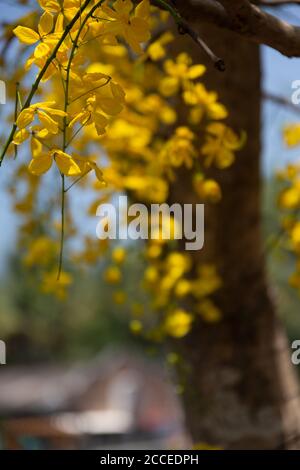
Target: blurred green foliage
point(38, 327)
point(280, 262)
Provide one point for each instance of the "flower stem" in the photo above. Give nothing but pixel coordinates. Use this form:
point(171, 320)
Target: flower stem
point(41, 75)
point(65, 128)
point(62, 233)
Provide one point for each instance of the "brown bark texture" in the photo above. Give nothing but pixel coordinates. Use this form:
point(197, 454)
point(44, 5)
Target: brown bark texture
point(240, 388)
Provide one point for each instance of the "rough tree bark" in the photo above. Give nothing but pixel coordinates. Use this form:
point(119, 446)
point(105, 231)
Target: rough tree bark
point(241, 390)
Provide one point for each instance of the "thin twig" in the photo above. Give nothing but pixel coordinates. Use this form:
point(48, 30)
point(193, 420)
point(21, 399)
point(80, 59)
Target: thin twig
point(185, 28)
point(65, 127)
point(41, 75)
point(16, 112)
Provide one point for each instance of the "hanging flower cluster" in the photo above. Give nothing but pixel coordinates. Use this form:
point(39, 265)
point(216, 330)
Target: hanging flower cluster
point(104, 101)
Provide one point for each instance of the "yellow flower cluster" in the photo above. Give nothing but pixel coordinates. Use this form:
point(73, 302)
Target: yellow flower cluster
point(105, 104)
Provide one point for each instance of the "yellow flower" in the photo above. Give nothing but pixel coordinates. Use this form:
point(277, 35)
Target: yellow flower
point(178, 323)
point(179, 149)
point(207, 282)
point(26, 35)
point(294, 280)
point(29, 36)
point(221, 143)
point(209, 312)
point(295, 236)
point(182, 288)
point(197, 96)
point(86, 165)
point(118, 255)
point(57, 287)
point(41, 251)
point(51, 6)
point(291, 135)
point(119, 297)
point(44, 111)
point(207, 189)
point(66, 164)
point(156, 50)
point(113, 275)
point(179, 73)
point(133, 27)
point(290, 198)
point(136, 327)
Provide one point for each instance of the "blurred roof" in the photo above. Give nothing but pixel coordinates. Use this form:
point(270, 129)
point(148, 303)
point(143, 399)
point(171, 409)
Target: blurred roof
point(129, 392)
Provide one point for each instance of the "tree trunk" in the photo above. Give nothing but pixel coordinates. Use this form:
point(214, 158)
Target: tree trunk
point(241, 391)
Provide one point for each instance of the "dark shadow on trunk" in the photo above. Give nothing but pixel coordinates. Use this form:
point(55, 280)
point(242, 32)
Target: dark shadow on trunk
point(241, 391)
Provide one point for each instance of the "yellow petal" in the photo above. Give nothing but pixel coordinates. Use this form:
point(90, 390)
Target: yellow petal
point(50, 5)
point(117, 91)
point(26, 35)
point(143, 9)
point(42, 50)
point(100, 122)
point(25, 118)
point(36, 148)
point(110, 106)
point(98, 172)
point(196, 71)
point(67, 166)
point(21, 136)
point(54, 111)
point(40, 165)
point(46, 24)
point(80, 117)
point(48, 122)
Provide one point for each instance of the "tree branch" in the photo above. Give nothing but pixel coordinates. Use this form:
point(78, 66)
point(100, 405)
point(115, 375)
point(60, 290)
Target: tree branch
point(281, 101)
point(275, 3)
point(245, 19)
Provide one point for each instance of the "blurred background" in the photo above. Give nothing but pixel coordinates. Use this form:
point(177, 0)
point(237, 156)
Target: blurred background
point(77, 374)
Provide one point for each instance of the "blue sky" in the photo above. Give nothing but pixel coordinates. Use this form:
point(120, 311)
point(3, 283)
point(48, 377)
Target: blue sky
point(278, 74)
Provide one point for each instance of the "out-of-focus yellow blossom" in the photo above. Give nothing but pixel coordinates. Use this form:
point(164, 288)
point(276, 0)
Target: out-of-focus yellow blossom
point(134, 28)
point(289, 198)
point(137, 309)
point(178, 73)
point(41, 251)
point(58, 287)
point(119, 297)
point(203, 102)
point(151, 274)
point(208, 281)
point(183, 288)
point(178, 323)
point(209, 312)
point(207, 189)
point(294, 280)
point(291, 135)
point(119, 109)
point(295, 237)
point(136, 327)
point(157, 49)
point(119, 255)
point(113, 275)
point(179, 150)
point(221, 143)
point(173, 358)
